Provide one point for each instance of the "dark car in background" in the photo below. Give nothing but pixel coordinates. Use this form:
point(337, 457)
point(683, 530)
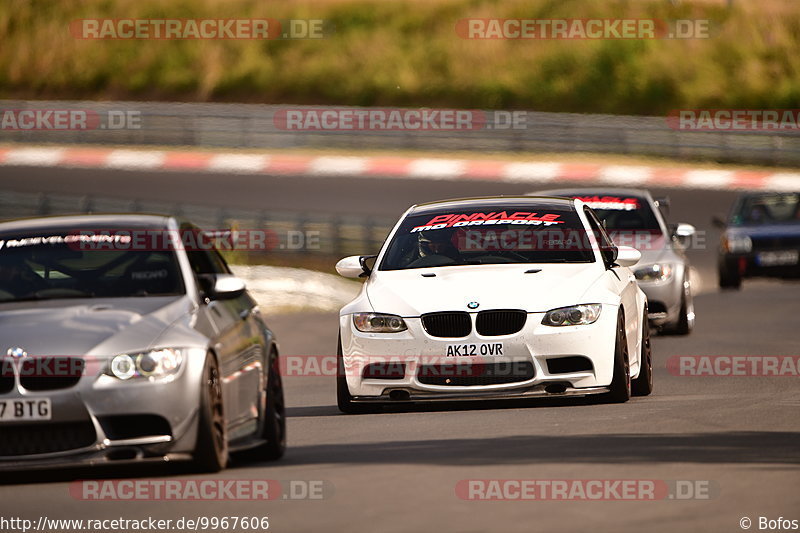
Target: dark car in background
point(760, 238)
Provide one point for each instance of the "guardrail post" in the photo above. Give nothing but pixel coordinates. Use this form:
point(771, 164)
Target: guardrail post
point(222, 216)
point(86, 204)
point(43, 204)
point(368, 238)
point(336, 236)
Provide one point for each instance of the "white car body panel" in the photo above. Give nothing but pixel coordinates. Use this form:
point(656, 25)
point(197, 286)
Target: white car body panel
point(409, 294)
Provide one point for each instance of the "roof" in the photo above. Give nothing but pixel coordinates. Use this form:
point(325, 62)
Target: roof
point(596, 191)
point(78, 222)
point(491, 202)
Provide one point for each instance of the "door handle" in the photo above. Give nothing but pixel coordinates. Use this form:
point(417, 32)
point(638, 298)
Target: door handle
point(245, 313)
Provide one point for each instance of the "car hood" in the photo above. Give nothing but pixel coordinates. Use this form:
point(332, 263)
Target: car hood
point(88, 326)
point(410, 293)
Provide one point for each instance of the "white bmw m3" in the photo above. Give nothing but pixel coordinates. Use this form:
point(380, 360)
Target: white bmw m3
point(493, 298)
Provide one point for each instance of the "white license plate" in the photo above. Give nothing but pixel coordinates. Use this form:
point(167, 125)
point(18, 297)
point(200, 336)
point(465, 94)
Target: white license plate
point(25, 409)
point(789, 257)
point(475, 349)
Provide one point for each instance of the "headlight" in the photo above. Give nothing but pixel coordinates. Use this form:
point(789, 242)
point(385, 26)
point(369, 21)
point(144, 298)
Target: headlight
point(572, 316)
point(152, 365)
point(378, 323)
point(737, 244)
point(653, 273)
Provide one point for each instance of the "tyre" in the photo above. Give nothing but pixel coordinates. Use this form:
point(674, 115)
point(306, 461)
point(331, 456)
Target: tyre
point(211, 451)
point(620, 388)
point(275, 417)
point(684, 324)
point(344, 400)
point(643, 385)
point(729, 279)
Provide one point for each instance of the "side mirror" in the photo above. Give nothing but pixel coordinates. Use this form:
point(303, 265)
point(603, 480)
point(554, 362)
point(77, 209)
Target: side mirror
point(223, 287)
point(609, 255)
point(627, 256)
point(684, 230)
point(718, 222)
point(354, 266)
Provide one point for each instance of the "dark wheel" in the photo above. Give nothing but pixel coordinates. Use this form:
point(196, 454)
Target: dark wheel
point(729, 279)
point(211, 452)
point(344, 399)
point(643, 385)
point(274, 429)
point(275, 418)
point(621, 382)
point(685, 322)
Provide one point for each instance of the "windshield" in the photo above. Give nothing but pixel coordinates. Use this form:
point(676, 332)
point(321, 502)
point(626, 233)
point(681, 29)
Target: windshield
point(767, 209)
point(491, 235)
point(50, 266)
point(622, 213)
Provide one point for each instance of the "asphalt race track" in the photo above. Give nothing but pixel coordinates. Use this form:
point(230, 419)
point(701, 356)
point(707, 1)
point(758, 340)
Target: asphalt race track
point(734, 440)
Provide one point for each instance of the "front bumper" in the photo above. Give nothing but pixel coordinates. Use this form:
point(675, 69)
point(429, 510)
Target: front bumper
point(535, 391)
point(86, 409)
point(663, 299)
point(750, 265)
point(535, 344)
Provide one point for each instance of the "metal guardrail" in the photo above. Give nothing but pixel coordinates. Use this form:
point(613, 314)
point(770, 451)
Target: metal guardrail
point(296, 233)
point(254, 126)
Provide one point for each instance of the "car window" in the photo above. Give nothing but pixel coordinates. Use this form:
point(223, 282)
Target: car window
point(480, 235)
point(622, 213)
point(206, 259)
point(603, 240)
point(48, 265)
point(767, 209)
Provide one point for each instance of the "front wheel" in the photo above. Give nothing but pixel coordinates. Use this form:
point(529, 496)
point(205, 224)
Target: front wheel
point(620, 388)
point(274, 425)
point(275, 417)
point(643, 385)
point(344, 400)
point(685, 322)
point(211, 451)
point(729, 279)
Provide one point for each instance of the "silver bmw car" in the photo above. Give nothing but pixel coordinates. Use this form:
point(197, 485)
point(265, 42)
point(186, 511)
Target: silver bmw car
point(124, 344)
point(633, 218)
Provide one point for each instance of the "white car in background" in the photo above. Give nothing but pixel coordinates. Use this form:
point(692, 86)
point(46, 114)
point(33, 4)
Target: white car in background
point(633, 217)
point(490, 298)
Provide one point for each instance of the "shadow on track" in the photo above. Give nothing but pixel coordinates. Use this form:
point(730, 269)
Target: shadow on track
point(740, 447)
point(439, 406)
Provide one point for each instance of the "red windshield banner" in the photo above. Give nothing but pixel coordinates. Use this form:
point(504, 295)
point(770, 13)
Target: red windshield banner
point(611, 203)
point(457, 220)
